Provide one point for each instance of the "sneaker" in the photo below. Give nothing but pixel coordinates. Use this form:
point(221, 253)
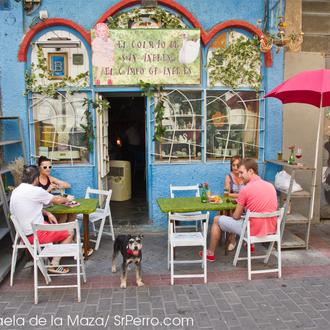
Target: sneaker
point(208, 257)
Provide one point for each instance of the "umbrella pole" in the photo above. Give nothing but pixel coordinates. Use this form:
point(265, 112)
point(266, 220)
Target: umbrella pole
point(316, 158)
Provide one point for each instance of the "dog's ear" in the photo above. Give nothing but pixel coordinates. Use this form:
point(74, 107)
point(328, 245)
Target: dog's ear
point(140, 235)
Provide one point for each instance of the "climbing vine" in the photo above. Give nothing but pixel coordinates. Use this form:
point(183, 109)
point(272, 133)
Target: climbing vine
point(88, 134)
point(38, 79)
point(100, 106)
point(155, 91)
point(164, 19)
point(236, 65)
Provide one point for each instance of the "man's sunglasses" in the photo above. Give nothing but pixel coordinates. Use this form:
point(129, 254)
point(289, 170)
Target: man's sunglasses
point(45, 167)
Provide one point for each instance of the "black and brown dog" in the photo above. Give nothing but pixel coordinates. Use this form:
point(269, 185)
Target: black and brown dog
point(130, 247)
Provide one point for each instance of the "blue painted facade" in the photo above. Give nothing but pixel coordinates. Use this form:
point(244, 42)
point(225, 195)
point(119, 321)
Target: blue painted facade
point(14, 24)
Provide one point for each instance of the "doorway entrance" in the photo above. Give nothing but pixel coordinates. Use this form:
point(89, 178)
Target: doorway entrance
point(127, 142)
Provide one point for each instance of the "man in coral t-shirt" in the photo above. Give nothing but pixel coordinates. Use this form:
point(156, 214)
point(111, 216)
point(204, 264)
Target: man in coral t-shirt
point(257, 196)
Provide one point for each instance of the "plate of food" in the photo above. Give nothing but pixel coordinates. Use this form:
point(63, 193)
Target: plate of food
point(72, 204)
point(215, 199)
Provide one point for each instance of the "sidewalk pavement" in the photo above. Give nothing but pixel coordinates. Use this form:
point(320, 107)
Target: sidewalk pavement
point(301, 299)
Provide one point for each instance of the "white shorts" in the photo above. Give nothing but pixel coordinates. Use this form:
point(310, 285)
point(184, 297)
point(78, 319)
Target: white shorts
point(230, 224)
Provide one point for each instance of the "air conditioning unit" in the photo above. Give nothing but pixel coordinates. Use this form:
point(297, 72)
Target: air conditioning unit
point(120, 180)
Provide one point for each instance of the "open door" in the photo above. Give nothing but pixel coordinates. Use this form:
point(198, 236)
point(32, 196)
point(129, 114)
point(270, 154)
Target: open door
point(102, 148)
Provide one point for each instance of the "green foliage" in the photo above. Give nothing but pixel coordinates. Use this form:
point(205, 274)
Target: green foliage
point(101, 105)
point(236, 65)
point(38, 79)
point(165, 19)
point(151, 90)
point(88, 128)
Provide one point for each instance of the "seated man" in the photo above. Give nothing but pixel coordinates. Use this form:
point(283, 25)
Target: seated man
point(26, 204)
point(257, 196)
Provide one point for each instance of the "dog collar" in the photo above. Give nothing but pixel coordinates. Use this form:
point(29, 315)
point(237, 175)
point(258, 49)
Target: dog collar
point(132, 252)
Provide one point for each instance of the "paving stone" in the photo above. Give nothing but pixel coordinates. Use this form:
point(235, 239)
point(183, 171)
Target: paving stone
point(259, 317)
point(191, 293)
point(316, 304)
point(219, 324)
point(155, 292)
point(170, 308)
point(157, 302)
point(168, 296)
point(304, 320)
point(239, 310)
point(248, 303)
point(310, 311)
point(144, 309)
point(207, 299)
point(322, 323)
point(284, 314)
point(197, 306)
point(117, 309)
point(202, 320)
point(230, 319)
point(159, 313)
point(248, 323)
point(104, 305)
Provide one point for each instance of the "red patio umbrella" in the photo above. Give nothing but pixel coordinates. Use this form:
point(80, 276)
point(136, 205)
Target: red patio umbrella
point(310, 87)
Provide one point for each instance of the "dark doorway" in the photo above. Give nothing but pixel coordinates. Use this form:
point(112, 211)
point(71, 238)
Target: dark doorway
point(127, 136)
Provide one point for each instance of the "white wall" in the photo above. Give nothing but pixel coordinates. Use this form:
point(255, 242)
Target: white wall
point(300, 121)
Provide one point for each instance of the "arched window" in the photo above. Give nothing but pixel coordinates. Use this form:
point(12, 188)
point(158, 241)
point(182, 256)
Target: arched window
point(57, 109)
point(233, 120)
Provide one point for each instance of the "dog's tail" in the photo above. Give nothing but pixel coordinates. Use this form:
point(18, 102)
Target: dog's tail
point(114, 255)
point(116, 248)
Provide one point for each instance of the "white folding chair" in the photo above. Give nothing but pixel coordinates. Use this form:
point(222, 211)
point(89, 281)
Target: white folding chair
point(100, 215)
point(271, 239)
point(59, 250)
point(187, 239)
point(185, 191)
point(21, 242)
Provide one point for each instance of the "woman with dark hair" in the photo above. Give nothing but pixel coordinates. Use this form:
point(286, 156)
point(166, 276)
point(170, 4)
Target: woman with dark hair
point(46, 181)
point(233, 183)
point(49, 183)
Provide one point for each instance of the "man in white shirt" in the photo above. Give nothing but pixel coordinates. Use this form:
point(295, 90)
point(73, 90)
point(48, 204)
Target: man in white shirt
point(26, 204)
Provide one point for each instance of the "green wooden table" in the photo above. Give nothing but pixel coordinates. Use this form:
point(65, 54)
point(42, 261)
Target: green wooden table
point(192, 204)
point(86, 207)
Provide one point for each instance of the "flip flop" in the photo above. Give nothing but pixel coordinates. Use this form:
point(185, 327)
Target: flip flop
point(89, 252)
point(231, 246)
point(58, 270)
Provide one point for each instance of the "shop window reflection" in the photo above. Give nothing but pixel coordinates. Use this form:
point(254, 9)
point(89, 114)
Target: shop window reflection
point(57, 127)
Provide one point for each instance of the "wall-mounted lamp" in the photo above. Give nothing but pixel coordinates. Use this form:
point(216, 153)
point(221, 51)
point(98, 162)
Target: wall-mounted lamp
point(59, 43)
point(31, 5)
point(43, 14)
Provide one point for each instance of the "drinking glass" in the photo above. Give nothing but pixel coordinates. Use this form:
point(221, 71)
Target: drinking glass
point(299, 154)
